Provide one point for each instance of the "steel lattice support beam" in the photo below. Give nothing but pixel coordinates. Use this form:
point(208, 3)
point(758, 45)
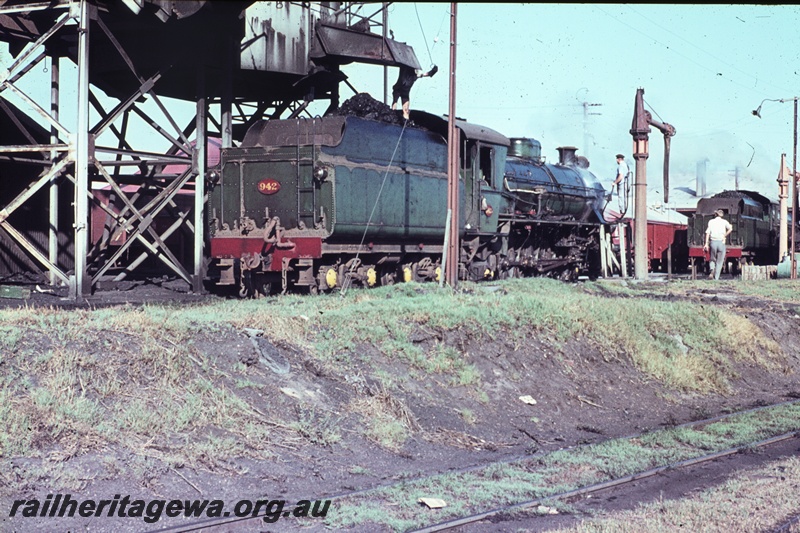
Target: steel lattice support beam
point(199, 171)
point(121, 84)
point(74, 154)
point(80, 284)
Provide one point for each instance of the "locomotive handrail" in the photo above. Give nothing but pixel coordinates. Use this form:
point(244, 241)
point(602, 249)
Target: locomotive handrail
point(564, 187)
point(534, 191)
point(546, 221)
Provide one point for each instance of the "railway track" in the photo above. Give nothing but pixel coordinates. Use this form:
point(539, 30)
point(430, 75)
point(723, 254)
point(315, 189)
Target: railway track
point(789, 526)
point(530, 504)
point(247, 523)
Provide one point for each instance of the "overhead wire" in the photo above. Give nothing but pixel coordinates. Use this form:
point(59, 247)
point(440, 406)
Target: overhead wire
point(439, 29)
point(722, 61)
point(720, 127)
point(421, 29)
point(672, 49)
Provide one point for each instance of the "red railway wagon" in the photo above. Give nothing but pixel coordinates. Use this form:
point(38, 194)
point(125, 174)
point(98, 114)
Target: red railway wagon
point(665, 239)
point(179, 242)
point(101, 220)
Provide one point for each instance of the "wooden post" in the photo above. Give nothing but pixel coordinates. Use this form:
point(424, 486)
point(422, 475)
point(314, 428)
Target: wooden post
point(453, 140)
point(603, 252)
point(623, 249)
point(669, 261)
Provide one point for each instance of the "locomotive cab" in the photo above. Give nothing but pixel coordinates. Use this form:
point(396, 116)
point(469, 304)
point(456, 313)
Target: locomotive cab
point(481, 170)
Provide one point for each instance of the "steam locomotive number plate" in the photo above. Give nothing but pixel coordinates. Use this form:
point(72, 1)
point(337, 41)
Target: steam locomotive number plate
point(269, 186)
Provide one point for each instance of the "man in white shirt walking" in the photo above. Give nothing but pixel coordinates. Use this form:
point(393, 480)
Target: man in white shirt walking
point(716, 233)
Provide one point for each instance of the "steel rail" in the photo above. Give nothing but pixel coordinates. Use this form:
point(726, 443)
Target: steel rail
point(787, 526)
point(214, 522)
point(443, 526)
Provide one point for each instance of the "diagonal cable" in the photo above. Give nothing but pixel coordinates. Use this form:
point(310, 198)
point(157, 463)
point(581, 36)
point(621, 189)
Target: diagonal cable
point(348, 276)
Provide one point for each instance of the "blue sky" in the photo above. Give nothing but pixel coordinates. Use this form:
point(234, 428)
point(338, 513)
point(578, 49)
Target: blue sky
point(526, 69)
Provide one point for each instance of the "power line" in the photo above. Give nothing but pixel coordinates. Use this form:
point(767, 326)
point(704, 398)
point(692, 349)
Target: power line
point(425, 39)
point(671, 49)
point(439, 30)
point(722, 61)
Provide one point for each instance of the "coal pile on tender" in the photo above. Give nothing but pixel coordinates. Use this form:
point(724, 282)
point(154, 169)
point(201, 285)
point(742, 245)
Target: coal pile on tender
point(365, 106)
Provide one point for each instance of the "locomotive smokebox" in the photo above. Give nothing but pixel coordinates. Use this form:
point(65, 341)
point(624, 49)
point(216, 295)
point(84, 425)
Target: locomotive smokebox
point(566, 155)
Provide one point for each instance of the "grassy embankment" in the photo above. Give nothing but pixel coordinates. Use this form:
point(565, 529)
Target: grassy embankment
point(132, 376)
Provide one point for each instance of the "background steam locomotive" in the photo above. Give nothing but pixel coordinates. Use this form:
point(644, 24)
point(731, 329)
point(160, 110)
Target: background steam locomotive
point(756, 229)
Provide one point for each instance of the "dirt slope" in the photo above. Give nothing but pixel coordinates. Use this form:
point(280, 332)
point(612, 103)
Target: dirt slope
point(537, 395)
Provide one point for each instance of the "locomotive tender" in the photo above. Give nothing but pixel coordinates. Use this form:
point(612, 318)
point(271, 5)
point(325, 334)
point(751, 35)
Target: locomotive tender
point(318, 203)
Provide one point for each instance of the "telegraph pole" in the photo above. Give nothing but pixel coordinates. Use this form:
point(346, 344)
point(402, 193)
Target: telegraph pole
point(735, 174)
point(586, 105)
point(385, 14)
point(794, 194)
point(453, 245)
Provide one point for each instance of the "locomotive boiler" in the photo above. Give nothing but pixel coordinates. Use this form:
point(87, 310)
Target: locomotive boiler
point(553, 210)
point(319, 203)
